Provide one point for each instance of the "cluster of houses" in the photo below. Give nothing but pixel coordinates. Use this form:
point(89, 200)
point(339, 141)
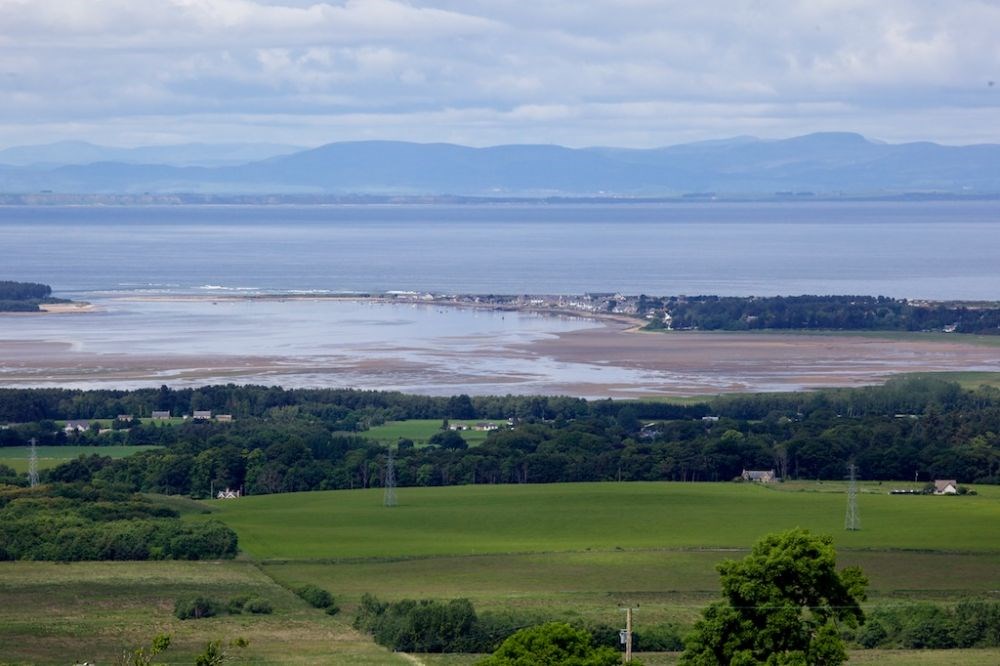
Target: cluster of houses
point(83, 425)
point(482, 426)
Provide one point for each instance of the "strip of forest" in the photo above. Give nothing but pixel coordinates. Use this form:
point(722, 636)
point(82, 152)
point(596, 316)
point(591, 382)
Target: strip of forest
point(835, 313)
point(315, 439)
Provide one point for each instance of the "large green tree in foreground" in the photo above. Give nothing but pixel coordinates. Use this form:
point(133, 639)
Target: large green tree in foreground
point(784, 604)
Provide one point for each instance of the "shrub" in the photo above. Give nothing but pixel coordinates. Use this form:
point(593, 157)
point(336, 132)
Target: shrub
point(554, 643)
point(660, 638)
point(315, 596)
point(977, 623)
point(194, 608)
point(258, 606)
point(235, 605)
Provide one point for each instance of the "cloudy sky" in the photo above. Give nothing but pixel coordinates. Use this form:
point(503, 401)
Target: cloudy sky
point(482, 72)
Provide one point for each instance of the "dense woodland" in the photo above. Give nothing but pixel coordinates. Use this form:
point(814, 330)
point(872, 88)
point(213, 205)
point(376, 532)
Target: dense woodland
point(74, 521)
point(24, 296)
point(296, 440)
point(838, 313)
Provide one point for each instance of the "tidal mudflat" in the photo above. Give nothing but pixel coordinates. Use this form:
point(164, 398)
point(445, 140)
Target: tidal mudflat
point(432, 349)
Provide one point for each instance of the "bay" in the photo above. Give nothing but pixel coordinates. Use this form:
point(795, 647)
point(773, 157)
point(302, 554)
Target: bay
point(934, 250)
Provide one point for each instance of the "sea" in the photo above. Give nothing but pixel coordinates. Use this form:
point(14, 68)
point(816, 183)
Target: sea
point(929, 250)
point(140, 267)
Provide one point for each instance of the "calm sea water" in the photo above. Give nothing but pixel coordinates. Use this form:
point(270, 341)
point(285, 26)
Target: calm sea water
point(938, 250)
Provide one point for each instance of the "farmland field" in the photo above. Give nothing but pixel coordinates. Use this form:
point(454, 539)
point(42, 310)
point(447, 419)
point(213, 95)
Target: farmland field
point(569, 551)
point(421, 430)
point(492, 519)
point(576, 551)
point(51, 456)
point(53, 613)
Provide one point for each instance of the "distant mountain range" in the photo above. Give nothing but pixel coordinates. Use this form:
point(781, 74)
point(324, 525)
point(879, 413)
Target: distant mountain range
point(825, 164)
point(63, 153)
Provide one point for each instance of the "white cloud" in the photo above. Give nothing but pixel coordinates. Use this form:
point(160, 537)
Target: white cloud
point(637, 72)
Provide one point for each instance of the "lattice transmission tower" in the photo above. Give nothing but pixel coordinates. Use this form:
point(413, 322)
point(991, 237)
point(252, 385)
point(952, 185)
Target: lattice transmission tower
point(33, 465)
point(852, 521)
point(389, 496)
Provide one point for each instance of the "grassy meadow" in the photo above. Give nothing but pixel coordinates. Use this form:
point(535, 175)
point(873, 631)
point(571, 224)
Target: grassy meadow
point(498, 519)
point(421, 430)
point(570, 551)
point(16, 457)
point(54, 613)
point(577, 550)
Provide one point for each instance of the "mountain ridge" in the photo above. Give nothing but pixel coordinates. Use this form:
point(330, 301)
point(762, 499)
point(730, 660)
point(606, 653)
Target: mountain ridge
point(822, 163)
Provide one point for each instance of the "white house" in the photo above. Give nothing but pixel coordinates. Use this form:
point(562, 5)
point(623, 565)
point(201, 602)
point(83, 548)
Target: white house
point(945, 487)
point(76, 425)
point(759, 475)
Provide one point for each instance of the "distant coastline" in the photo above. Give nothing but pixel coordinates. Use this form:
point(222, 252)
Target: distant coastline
point(645, 313)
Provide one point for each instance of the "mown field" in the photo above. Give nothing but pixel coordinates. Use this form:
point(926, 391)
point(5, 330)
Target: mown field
point(421, 430)
point(477, 520)
point(16, 457)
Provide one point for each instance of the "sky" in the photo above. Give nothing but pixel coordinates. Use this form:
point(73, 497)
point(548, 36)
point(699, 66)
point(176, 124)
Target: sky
point(636, 73)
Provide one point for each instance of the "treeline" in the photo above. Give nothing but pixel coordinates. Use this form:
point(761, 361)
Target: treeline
point(339, 409)
point(971, 623)
point(431, 625)
point(71, 522)
point(923, 427)
point(839, 313)
point(23, 296)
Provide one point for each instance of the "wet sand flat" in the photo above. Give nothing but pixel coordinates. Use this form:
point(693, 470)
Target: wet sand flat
point(707, 362)
point(605, 360)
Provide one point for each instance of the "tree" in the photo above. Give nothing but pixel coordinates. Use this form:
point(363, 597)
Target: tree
point(143, 656)
point(552, 644)
point(783, 605)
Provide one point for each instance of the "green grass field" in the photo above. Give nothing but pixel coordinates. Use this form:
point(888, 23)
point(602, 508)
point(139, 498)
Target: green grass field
point(577, 550)
point(571, 551)
point(421, 430)
point(51, 456)
point(477, 520)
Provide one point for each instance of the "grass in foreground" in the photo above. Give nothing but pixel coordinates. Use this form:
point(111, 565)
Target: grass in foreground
point(52, 456)
point(53, 613)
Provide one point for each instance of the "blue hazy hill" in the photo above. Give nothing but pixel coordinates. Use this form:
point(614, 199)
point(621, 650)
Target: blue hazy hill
point(824, 163)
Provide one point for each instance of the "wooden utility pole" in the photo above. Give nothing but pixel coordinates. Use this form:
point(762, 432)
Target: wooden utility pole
point(628, 634)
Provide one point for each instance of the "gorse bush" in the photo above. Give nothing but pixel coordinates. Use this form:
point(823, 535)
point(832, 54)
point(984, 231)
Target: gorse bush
point(315, 596)
point(195, 608)
point(258, 606)
point(192, 608)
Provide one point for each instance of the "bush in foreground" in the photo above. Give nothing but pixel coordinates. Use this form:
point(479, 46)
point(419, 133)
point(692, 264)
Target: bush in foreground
point(554, 644)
